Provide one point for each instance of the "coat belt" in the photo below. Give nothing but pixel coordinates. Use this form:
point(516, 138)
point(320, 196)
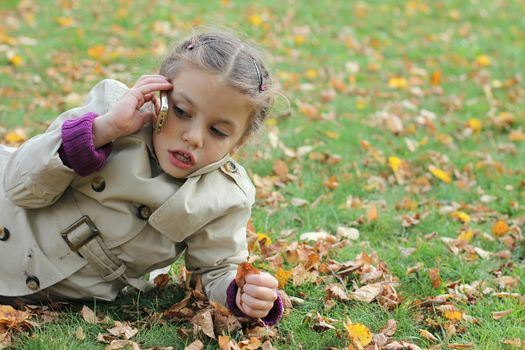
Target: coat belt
point(83, 237)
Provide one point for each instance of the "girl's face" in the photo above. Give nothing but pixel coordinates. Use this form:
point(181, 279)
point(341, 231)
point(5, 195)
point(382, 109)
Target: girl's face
point(207, 119)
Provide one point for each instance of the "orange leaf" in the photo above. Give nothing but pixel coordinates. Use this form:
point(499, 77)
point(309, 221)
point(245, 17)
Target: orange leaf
point(11, 317)
point(500, 228)
point(224, 342)
point(244, 269)
point(332, 183)
point(371, 213)
point(281, 169)
point(435, 278)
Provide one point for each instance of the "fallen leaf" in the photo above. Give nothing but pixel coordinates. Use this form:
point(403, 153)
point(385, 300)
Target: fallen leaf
point(500, 228)
point(367, 293)
point(282, 277)
point(435, 278)
point(88, 315)
point(196, 345)
point(359, 333)
point(498, 315)
point(440, 174)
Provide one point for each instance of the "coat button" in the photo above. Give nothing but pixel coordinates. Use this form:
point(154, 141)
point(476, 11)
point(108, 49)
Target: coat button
point(98, 184)
point(4, 234)
point(32, 282)
point(143, 212)
point(230, 167)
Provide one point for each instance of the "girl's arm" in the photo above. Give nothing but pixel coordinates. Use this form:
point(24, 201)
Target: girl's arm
point(35, 175)
point(215, 251)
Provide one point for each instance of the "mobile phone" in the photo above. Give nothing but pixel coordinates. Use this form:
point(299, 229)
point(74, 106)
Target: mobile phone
point(163, 111)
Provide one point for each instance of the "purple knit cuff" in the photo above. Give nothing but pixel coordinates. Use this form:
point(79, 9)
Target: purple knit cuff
point(275, 314)
point(77, 150)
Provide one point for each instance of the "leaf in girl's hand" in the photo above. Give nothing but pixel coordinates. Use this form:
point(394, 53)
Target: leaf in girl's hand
point(244, 269)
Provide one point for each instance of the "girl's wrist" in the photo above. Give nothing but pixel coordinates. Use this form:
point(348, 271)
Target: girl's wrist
point(104, 131)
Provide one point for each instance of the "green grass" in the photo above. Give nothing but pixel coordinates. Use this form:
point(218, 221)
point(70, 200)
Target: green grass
point(408, 39)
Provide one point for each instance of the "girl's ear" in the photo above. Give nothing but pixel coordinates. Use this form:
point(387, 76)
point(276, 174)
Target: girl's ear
point(241, 142)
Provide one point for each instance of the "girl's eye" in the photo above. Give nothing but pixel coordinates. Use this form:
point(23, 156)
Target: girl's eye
point(181, 113)
point(217, 132)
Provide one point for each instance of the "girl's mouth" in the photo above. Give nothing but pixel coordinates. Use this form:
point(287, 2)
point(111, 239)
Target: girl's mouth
point(181, 159)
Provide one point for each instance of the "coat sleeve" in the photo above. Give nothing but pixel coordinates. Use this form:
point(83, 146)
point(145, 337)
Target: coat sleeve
point(217, 249)
point(35, 176)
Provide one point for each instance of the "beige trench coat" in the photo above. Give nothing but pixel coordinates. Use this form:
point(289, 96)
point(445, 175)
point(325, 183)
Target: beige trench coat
point(145, 217)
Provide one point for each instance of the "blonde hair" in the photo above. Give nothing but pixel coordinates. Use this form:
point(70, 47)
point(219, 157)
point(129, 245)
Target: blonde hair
point(237, 62)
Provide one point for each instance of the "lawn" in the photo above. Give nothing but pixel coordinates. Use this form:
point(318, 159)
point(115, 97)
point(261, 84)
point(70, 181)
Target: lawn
point(398, 146)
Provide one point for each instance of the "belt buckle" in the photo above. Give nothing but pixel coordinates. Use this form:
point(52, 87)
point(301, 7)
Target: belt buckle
point(94, 232)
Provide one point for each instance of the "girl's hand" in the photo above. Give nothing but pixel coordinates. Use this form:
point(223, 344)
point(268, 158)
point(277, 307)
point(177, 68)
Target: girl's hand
point(125, 117)
point(258, 294)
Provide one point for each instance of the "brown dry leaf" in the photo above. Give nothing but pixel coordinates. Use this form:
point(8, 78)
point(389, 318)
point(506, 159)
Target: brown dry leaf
point(161, 280)
point(401, 345)
point(280, 169)
point(244, 269)
point(498, 315)
point(123, 330)
point(122, 344)
point(249, 344)
point(5, 340)
point(88, 315)
point(203, 322)
point(435, 278)
point(427, 335)
point(196, 345)
point(79, 333)
point(336, 291)
point(460, 346)
point(359, 333)
point(367, 293)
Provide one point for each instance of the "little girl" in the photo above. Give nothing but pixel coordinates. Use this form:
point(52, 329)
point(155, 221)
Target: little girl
point(101, 198)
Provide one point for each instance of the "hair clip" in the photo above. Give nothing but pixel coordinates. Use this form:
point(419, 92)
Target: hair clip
point(262, 87)
point(189, 44)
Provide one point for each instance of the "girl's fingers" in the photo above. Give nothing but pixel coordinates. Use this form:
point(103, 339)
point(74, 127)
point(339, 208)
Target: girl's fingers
point(254, 313)
point(256, 304)
point(261, 293)
point(262, 279)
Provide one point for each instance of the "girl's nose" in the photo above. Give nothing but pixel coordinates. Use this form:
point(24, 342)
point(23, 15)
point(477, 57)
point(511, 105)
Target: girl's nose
point(193, 137)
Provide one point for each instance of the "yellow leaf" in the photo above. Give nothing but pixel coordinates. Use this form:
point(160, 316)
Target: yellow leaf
point(453, 315)
point(461, 216)
point(483, 60)
point(466, 235)
point(255, 20)
point(500, 228)
point(16, 136)
point(359, 333)
point(65, 22)
point(517, 135)
point(311, 74)
point(282, 277)
point(394, 163)
point(334, 135)
point(299, 39)
point(398, 83)
point(15, 59)
point(440, 174)
point(474, 124)
point(264, 239)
